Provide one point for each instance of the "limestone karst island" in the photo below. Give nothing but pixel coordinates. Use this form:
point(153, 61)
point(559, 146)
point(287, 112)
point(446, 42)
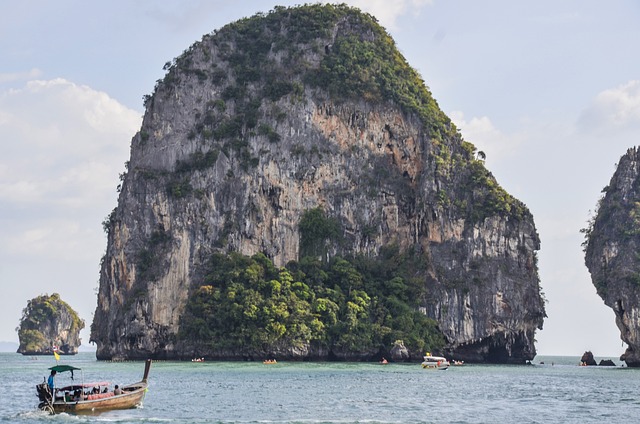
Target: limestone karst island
point(612, 244)
point(49, 324)
point(295, 192)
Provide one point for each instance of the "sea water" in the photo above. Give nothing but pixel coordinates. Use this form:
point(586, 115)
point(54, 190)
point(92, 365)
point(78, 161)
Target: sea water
point(558, 391)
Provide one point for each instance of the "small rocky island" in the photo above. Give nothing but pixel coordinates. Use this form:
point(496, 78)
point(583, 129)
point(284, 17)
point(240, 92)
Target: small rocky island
point(295, 191)
point(48, 322)
point(612, 244)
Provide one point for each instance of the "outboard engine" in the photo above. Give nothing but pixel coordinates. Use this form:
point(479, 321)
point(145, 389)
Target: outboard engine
point(45, 396)
point(44, 392)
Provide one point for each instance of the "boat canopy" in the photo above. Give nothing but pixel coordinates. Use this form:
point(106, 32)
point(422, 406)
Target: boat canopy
point(63, 368)
point(434, 358)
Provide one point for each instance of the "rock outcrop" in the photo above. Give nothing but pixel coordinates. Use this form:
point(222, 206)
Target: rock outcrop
point(588, 359)
point(302, 108)
point(611, 251)
point(49, 323)
point(399, 352)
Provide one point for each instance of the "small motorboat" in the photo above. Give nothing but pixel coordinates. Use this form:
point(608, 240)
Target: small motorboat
point(88, 398)
point(435, 362)
point(269, 361)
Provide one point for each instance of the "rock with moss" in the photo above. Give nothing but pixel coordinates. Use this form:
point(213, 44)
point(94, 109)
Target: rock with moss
point(49, 322)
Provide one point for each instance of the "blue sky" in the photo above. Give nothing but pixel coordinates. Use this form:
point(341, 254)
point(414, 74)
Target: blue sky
point(549, 90)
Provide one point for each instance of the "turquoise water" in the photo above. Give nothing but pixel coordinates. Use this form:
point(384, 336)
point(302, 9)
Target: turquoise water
point(223, 392)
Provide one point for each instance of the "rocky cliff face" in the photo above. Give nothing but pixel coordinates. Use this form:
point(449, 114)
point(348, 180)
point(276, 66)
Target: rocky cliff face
point(49, 322)
point(302, 108)
point(612, 246)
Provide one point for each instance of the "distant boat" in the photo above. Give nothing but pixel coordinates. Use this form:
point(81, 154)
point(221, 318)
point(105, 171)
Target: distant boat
point(435, 362)
point(87, 398)
point(269, 361)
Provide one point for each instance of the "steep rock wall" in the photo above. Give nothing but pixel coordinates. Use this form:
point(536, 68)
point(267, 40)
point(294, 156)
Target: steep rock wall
point(202, 180)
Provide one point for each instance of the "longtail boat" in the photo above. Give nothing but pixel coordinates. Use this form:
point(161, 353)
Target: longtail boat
point(88, 398)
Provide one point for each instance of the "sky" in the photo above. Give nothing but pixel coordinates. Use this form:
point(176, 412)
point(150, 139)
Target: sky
point(549, 90)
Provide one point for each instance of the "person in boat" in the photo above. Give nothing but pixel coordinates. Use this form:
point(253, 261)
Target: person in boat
point(117, 390)
point(51, 380)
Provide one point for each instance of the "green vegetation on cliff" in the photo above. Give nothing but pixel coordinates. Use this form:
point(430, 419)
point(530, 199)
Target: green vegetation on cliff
point(246, 304)
point(357, 306)
point(317, 232)
point(362, 63)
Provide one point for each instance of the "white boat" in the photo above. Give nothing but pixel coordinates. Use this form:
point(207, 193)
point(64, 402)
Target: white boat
point(435, 362)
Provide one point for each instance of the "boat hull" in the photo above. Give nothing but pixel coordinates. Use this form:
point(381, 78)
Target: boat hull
point(128, 400)
point(430, 366)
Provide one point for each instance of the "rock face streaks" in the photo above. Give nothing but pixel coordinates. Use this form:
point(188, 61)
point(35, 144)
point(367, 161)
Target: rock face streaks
point(611, 254)
point(227, 161)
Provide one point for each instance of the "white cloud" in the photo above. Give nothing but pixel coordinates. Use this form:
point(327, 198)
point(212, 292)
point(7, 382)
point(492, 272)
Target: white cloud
point(58, 239)
point(63, 148)
point(613, 109)
point(388, 11)
point(18, 76)
point(485, 136)
point(61, 138)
